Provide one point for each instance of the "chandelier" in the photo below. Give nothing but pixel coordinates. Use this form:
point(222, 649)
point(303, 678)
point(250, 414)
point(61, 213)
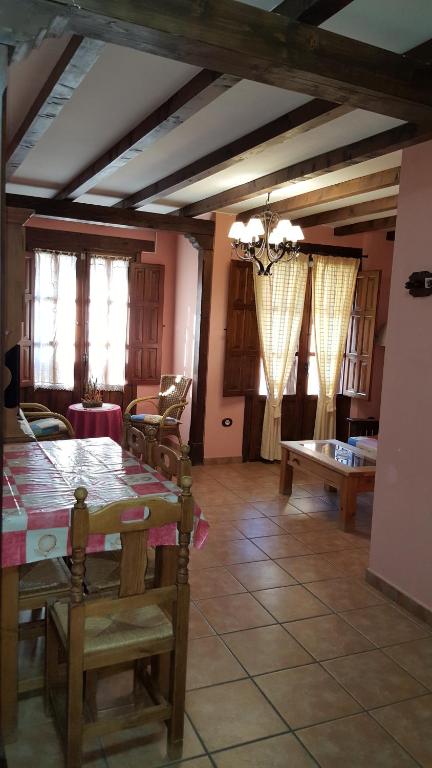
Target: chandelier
point(265, 240)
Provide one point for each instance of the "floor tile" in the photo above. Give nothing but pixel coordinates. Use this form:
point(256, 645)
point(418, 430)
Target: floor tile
point(416, 658)
point(374, 679)
point(410, 723)
point(354, 742)
point(306, 695)
point(327, 637)
point(309, 567)
point(234, 612)
point(198, 626)
point(291, 603)
point(212, 582)
point(225, 530)
point(277, 752)
point(226, 553)
point(278, 507)
point(281, 546)
point(210, 662)
point(303, 523)
point(266, 649)
point(345, 594)
point(232, 713)
point(350, 562)
point(259, 526)
point(385, 625)
point(146, 745)
point(198, 762)
point(313, 504)
point(239, 510)
point(323, 541)
point(261, 575)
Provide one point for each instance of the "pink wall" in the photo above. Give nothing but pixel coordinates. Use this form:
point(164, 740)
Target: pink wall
point(402, 520)
point(184, 319)
point(221, 441)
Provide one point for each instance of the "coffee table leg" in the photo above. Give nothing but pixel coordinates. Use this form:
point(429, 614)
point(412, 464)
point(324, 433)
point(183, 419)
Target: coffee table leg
point(9, 585)
point(348, 504)
point(286, 474)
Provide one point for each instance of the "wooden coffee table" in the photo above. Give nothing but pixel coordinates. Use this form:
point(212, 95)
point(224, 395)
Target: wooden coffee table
point(341, 466)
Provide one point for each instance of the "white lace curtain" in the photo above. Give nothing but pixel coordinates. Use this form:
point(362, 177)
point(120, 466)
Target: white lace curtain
point(333, 286)
point(279, 303)
point(108, 309)
point(54, 320)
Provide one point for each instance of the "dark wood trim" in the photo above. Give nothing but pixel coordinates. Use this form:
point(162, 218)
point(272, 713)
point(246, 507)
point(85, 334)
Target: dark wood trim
point(342, 157)
point(365, 226)
point(74, 63)
point(331, 250)
point(310, 115)
point(320, 10)
point(390, 236)
point(201, 350)
point(381, 205)
point(67, 210)
point(334, 192)
point(59, 240)
point(201, 90)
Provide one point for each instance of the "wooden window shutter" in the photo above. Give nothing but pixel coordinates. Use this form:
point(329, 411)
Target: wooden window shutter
point(242, 348)
point(360, 339)
point(146, 292)
point(26, 341)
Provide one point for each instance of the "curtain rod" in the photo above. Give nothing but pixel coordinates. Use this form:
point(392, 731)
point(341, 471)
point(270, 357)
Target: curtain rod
point(331, 250)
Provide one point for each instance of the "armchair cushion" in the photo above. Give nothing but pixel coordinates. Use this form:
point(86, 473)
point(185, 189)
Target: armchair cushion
point(152, 418)
point(42, 427)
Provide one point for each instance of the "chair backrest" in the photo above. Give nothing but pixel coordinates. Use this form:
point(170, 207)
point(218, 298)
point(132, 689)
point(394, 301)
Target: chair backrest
point(136, 443)
point(173, 389)
point(172, 464)
point(120, 517)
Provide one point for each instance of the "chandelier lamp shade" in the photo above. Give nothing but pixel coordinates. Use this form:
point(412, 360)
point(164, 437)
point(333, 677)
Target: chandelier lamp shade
point(265, 240)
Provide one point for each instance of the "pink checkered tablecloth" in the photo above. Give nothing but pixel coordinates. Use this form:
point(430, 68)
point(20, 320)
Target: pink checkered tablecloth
point(39, 480)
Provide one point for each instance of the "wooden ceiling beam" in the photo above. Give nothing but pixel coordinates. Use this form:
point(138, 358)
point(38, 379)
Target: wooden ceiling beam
point(186, 102)
point(74, 63)
point(310, 115)
point(315, 12)
point(95, 214)
point(383, 204)
point(366, 149)
point(389, 222)
point(345, 189)
point(231, 37)
point(65, 240)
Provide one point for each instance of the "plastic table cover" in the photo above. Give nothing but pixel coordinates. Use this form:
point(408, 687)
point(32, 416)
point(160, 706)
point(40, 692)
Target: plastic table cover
point(39, 480)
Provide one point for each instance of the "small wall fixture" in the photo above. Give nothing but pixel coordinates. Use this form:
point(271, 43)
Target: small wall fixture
point(419, 284)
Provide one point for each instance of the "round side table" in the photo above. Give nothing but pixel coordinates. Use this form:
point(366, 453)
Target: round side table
point(105, 421)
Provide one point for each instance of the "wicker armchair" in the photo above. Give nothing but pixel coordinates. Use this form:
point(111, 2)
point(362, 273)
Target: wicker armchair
point(57, 428)
point(168, 404)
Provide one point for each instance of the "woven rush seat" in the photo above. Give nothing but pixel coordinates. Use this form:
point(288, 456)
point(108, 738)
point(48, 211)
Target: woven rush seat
point(43, 577)
point(103, 571)
point(103, 633)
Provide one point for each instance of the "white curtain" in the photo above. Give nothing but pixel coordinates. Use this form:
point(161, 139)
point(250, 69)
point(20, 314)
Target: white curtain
point(333, 286)
point(54, 320)
point(279, 303)
point(108, 310)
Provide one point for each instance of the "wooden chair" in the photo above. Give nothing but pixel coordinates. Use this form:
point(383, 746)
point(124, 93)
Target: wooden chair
point(97, 633)
point(103, 568)
point(58, 427)
point(169, 405)
point(40, 585)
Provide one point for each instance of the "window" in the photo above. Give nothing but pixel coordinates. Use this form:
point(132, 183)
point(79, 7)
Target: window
point(107, 332)
point(94, 316)
point(54, 320)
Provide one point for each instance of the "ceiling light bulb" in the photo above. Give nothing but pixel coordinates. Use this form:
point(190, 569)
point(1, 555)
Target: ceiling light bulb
point(237, 230)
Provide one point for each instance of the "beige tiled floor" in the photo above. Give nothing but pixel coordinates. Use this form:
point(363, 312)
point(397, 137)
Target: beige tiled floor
point(294, 661)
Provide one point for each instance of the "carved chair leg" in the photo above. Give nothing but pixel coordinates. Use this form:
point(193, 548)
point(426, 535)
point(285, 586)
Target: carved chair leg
point(151, 440)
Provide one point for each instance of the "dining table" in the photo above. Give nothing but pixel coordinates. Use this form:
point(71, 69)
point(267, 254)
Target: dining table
point(39, 480)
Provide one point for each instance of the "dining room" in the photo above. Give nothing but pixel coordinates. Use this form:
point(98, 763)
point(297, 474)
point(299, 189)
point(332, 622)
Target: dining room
point(214, 238)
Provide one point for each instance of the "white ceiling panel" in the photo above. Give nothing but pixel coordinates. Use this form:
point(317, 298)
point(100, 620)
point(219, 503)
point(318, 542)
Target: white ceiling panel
point(119, 91)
